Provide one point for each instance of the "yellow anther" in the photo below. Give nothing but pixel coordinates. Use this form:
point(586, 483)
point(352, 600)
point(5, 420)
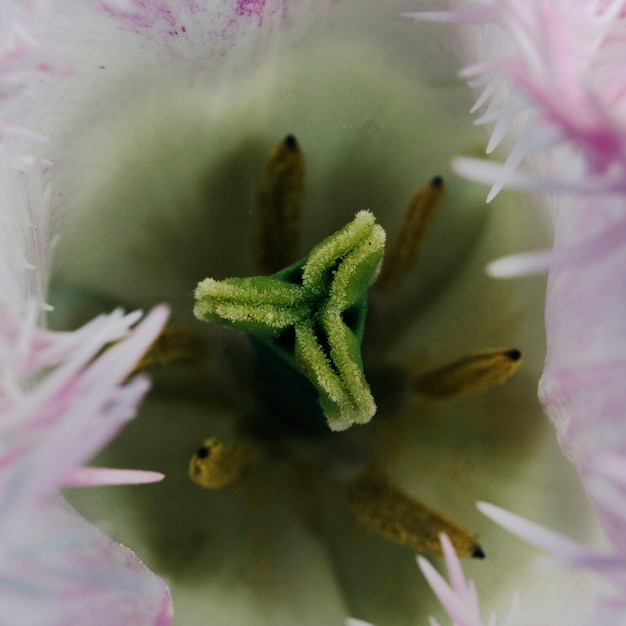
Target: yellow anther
point(278, 207)
point(470, 374)
point(216, 464)
point(409, 236)
point(395, 516)
point(176, 345)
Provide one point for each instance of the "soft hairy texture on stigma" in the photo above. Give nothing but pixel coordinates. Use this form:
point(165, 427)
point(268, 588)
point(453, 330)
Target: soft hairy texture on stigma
point(325, 308)
point(360, 237)
point(259, 305)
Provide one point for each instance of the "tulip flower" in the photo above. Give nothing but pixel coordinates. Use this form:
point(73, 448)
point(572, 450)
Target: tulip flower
point(140, 142)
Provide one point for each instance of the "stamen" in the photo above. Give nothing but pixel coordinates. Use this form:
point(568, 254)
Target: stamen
point(278, 207)
point(176, 345)
point(410, 235)
point(395, 516)
point(470, 374)
point(216, 464)
point(312, 314)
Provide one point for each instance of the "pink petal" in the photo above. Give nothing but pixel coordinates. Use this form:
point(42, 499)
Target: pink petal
point(582, 387)
point(533, 533)
point(458, 598)
point(62, 570)
point(101, 476)
point(59, 570)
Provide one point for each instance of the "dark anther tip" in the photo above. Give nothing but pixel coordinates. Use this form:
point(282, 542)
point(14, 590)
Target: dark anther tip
point(291, 142)
point(514, 355)
point(203, 452)
point(437, 181)
point(478, 553)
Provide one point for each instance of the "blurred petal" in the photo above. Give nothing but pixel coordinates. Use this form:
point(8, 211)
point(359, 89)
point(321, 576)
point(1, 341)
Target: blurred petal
point(553, 77)
point(58, 570)
point(582, 386)
point(100, 476)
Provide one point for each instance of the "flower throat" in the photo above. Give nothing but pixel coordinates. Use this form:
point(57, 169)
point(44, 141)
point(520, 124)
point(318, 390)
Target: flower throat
point(306, 320)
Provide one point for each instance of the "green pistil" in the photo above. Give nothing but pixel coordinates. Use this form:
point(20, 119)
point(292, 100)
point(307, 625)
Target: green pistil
point(312, 314)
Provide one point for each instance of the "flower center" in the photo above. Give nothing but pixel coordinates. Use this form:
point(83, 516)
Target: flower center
point(306, 324)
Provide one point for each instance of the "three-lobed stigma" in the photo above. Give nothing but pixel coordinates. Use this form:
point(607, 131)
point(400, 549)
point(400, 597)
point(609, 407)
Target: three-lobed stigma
point(312, 314)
